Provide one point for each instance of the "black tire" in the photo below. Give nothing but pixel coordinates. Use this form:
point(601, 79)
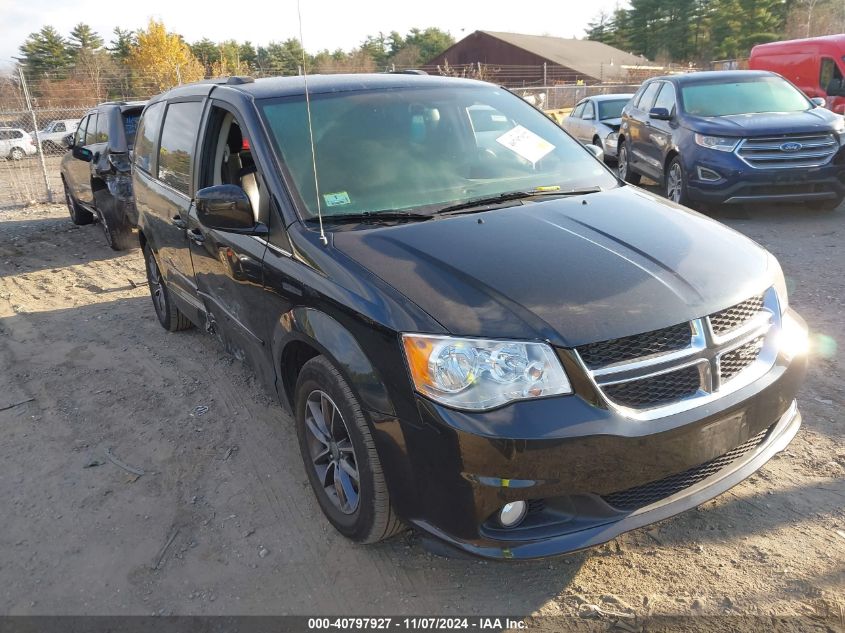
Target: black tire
point(17, 153)
point(168, 314)
point(78, 215)
point(825, 205)
point(623, 165)
point(372, 519)
point(113, 221)
point(675, 182)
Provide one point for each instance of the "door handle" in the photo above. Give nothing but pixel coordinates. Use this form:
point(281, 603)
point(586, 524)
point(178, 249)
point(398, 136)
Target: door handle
point(178, 222)
point(195, 236)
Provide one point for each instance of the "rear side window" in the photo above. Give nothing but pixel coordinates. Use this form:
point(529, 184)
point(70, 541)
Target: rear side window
point(829, 71)
point(130, 125)
point(178, 139)
point(648, 96)
point(16, 134)
point(147, 135)
point(102, 134)
point(4, 135)
point(666, 98)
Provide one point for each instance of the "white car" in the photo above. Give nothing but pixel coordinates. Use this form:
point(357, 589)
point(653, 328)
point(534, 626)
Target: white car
point(595, 121)
point(51, 137)
point(16, 143)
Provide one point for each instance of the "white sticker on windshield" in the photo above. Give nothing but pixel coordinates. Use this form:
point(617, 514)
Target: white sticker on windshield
point(336, 199)
point(525, 143)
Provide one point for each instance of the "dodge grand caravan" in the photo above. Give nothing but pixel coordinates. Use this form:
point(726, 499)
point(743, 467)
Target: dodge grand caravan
point(493, 340)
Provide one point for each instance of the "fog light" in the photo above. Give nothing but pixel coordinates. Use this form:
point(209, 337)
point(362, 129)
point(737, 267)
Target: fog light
point(707, 174)
point(512, 513)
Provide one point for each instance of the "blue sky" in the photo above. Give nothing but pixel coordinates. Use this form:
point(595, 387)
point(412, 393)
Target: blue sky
point(326, 23)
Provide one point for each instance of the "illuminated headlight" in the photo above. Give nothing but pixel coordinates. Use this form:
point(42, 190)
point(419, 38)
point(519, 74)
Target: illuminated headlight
point(793, 339)
point(478, 374)
point(720, 143)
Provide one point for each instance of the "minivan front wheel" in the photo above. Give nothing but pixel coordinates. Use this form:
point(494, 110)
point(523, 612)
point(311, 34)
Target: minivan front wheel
point(340, 455)
point(623, 165)
point(676, 182)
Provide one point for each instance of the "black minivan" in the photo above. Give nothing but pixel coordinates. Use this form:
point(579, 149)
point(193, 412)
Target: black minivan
point(486, 336)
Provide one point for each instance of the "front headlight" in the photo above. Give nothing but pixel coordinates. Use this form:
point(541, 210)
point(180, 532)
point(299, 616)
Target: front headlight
point(612, 137)
point(721, 143)
point(481, 374)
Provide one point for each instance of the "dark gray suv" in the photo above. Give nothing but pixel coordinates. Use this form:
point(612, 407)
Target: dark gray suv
point(96, 171)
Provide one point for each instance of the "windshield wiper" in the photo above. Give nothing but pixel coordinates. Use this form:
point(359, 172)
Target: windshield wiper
point(514, 195)
point(373, 216)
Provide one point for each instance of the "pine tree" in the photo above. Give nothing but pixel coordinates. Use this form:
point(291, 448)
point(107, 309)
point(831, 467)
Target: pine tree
point(45, 51)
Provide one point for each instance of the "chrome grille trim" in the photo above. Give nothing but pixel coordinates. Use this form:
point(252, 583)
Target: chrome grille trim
point(766, 152)
point(705, 350)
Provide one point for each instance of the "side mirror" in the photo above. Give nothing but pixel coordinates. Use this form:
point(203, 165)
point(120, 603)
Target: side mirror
point(596, 151)
point(226, 208)
point(818, 101)
point(68, 140)
point(660, 114)
point(82, 153)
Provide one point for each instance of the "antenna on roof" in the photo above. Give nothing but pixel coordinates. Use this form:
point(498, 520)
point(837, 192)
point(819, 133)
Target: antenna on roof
point(310, 128)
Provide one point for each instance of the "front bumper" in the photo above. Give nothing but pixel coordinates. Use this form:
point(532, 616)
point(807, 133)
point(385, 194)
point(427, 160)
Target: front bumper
point(739, 183)
point(572, 474)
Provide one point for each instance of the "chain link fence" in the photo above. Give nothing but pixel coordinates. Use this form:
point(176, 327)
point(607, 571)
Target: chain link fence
point(30, 162)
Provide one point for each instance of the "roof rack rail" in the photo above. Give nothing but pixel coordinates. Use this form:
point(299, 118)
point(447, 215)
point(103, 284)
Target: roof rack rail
point(408, 71)
point(237, 80)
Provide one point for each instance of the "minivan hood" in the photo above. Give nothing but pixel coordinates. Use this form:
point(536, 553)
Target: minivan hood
point(764, 124)
point(567, 270)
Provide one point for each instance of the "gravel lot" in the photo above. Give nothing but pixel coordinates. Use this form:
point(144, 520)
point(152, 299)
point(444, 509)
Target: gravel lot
point(223, 522)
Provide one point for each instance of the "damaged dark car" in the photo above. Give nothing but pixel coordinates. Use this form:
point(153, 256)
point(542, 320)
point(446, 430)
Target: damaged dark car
point(483, 334)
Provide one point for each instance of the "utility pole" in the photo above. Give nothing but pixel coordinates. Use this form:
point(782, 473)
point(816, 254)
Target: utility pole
point(25, 89)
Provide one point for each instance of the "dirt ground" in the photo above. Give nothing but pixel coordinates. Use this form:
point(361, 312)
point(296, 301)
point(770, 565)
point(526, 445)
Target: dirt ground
point(223, 522)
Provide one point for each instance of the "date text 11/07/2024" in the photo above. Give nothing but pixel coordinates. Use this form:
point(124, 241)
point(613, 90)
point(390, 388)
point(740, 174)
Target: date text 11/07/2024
point(417, 623)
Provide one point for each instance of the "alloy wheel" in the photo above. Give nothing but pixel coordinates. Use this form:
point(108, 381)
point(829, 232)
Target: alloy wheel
point(331, 451)
point(675, 183)
point(16, 154)
point(622, 161)
point(156, 287)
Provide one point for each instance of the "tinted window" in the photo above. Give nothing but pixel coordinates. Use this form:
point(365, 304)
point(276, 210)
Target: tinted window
point(413, 148)
point(102, 134)
point(130, 124)
point(178, 137)
point(647, 97)
point(611, 109)
point(148, 129)
point(745, 96)
point(666, 98)
point(79, 137)
point(589, 111)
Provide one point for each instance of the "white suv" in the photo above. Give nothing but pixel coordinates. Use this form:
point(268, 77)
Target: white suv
point(15, 143)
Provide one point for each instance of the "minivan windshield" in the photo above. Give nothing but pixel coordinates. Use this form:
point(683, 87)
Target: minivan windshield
point(746, 96)
point(611, 109)
point(423, 148)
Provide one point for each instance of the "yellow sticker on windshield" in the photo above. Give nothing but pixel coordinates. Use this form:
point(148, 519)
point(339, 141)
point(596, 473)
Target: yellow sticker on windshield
point(525, 143)
point(336, 199)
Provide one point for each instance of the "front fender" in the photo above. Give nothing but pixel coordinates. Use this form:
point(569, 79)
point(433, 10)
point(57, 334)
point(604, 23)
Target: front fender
point(329, 337)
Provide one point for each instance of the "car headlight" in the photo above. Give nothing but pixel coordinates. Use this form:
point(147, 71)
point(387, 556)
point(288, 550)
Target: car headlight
point(479, 374)
point(721, 143)
point(612, 137)
point(839, 128)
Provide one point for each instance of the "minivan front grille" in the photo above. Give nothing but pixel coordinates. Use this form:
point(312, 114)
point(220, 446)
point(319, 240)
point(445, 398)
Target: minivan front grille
point(788, 151)
point(621, 349)
point(645, 373)
point(735, 316)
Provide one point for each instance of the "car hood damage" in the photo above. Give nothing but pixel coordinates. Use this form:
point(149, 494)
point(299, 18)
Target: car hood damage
point(573, 270)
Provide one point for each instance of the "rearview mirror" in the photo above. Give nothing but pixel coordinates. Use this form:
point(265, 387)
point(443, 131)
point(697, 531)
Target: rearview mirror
point(81, 153)
point(818, 101)
point(596, 151)
point(226, 208)
point(661, 114)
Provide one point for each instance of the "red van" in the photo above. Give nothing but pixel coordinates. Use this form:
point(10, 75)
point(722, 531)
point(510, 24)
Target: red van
point(816, 65)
